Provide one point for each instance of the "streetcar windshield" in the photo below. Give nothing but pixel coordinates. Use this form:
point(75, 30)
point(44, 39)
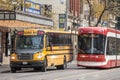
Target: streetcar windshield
point(91, 43)
point(29, 42)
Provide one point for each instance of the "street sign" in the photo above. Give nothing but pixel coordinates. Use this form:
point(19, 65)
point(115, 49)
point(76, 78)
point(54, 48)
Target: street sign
point(62, 20)
point(7, 15)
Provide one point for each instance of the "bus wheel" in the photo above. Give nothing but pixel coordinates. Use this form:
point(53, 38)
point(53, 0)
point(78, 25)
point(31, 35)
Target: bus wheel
point(37, 69)
point(64, 66)
point(44, 67)
point(13, 70)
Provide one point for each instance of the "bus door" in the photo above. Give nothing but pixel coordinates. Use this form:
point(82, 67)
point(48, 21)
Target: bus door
point(48, 43)
point(49, 49)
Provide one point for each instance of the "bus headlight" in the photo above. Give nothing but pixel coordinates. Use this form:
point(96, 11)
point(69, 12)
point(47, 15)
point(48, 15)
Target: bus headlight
point(38, 56)
point(13, 57)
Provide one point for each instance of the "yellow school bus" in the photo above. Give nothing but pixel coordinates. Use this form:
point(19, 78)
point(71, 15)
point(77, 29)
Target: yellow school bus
point(39, 49)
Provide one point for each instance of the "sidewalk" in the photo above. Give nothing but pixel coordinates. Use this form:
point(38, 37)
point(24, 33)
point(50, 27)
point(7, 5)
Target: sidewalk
point(4, 68)
point(5, 60)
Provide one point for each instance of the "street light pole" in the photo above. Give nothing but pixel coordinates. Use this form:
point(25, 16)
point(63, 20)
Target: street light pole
point(66, 15)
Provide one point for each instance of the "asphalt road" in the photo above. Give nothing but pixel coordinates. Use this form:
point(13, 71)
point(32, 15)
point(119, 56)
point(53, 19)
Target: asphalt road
point(71, 73)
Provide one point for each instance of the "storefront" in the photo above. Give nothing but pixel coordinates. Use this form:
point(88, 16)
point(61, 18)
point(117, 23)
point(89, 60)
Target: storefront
point(11, 21)
point(0, 47)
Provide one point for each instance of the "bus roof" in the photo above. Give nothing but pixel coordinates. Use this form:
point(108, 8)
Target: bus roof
point(97, 30)
point(48, 31)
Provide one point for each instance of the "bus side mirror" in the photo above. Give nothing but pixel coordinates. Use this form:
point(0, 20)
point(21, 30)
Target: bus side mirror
point(50, 44)
point(12, 44)
point(9, 46)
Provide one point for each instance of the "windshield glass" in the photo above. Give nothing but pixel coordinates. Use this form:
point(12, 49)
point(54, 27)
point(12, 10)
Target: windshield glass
point(29, 42)
point(91, 43)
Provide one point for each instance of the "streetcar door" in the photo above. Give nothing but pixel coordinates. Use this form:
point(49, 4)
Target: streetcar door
point(111, 51)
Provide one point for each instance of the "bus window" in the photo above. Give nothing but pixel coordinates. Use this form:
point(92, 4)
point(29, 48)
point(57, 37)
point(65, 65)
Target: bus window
point(30, 42)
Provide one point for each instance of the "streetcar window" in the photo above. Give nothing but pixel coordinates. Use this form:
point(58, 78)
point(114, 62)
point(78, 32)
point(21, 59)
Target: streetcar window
point(91, 43)
point(111, 46)
point(118, 46)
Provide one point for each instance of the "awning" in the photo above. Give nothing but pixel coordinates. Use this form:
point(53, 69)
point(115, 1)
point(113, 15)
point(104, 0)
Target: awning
point(21, 20)
point(7, 25)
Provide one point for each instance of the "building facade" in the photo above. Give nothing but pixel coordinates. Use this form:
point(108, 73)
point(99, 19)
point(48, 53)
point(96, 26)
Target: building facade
point(58, 9)
point(97, 6)
point(74, 13)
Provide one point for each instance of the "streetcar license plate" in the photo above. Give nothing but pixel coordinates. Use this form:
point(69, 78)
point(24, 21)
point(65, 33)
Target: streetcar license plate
point(25, 62)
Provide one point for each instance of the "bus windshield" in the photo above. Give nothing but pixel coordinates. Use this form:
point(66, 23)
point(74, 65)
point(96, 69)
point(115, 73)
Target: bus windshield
point(29, 42)
point(91, 43)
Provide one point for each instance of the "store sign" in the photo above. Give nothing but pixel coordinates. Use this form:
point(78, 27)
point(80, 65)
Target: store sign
point(32, 7)
point(30, 32)
point(62, 20)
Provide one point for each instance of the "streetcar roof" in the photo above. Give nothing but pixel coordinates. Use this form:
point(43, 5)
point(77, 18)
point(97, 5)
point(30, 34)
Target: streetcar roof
point(97, 30)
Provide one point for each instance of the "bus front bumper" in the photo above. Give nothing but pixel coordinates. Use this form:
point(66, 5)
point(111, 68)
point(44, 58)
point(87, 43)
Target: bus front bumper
point(26, 64)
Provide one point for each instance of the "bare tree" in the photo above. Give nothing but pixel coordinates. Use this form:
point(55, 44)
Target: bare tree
point(110, 6)
point(90, 12)
point(9, 5)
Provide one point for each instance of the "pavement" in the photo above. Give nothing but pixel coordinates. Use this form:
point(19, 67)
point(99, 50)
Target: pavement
point(6, 68)
point(6, 60)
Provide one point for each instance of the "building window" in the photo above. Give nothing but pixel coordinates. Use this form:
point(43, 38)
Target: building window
point(62, 1)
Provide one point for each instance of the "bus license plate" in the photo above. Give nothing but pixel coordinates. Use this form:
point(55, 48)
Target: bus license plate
point(25, 62)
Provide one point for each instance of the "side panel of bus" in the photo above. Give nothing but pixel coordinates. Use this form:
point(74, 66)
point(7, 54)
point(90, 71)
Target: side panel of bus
point(57, 52)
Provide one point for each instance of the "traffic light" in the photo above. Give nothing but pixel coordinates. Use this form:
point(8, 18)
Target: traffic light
point(47, 10)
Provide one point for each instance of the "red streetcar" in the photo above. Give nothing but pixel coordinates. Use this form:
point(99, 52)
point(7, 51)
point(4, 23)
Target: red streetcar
point(98, 47)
